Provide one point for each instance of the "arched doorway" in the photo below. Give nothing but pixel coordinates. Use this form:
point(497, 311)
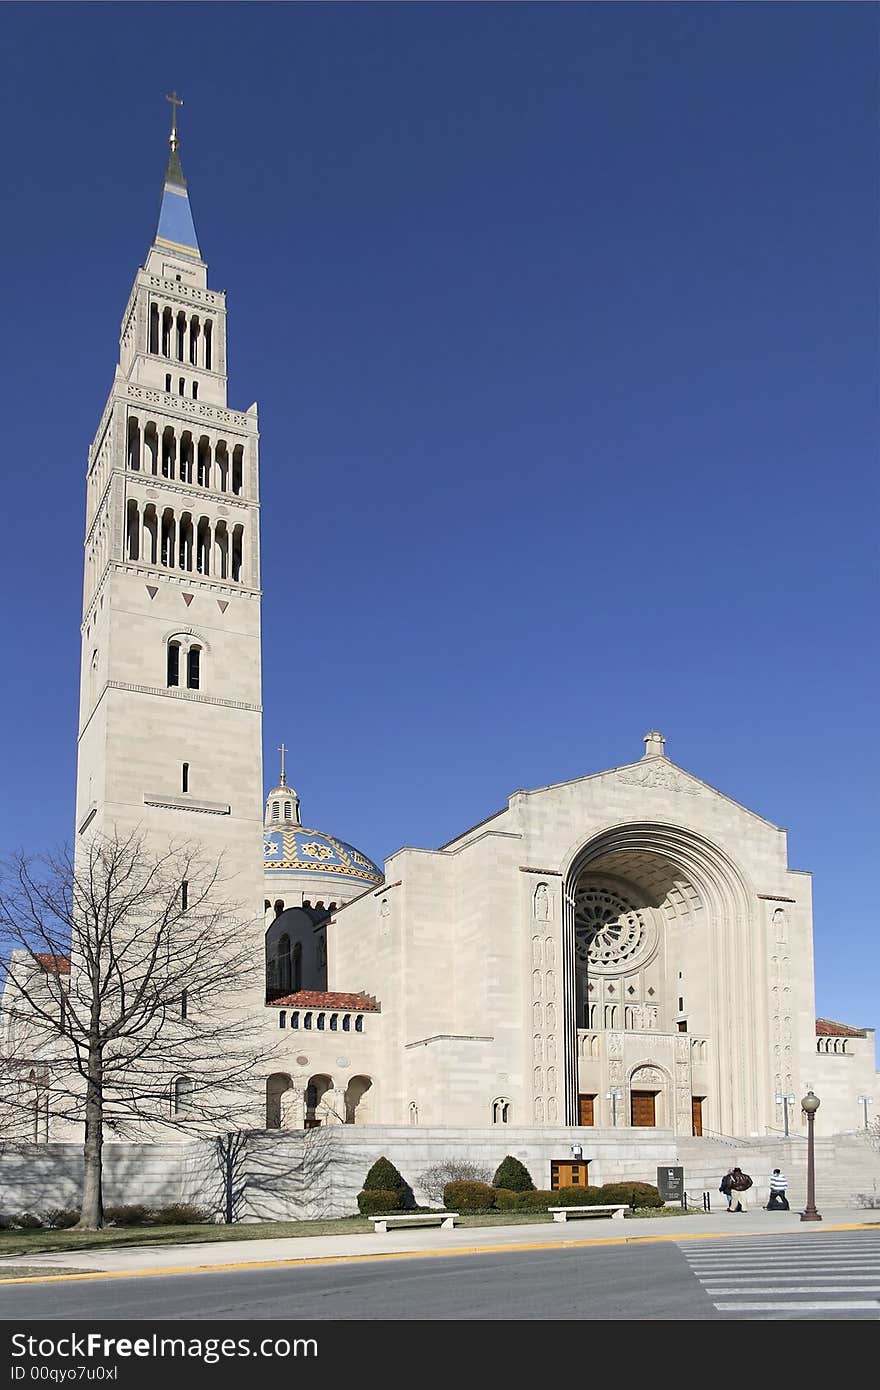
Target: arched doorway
point(654, 915)
point(316, 1108)
point(357, 1104)
point(277, 1086)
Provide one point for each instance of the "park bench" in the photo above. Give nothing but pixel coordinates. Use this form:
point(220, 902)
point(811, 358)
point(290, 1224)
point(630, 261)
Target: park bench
point(444, 1219)
point(563, 1213)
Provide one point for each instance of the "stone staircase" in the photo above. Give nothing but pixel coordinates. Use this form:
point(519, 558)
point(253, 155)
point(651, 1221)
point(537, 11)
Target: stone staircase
point(845, 1166)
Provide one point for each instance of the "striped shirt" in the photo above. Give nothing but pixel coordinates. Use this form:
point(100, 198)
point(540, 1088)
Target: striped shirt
point(778, 1183)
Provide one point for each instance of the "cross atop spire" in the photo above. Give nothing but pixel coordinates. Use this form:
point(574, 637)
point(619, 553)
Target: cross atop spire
point(283, 779)
point(175, 102)
point(176, 232)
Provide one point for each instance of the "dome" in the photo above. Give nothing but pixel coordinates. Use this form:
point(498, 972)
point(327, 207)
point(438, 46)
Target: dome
point(296, 849)
point(289, 847)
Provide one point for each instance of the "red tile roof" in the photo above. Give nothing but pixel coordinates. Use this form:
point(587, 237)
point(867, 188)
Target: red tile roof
point(58, 965)
point(327, 999)
point(827, 1028)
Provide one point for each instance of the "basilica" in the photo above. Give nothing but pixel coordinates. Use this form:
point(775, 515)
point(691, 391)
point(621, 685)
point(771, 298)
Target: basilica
point(626, 950)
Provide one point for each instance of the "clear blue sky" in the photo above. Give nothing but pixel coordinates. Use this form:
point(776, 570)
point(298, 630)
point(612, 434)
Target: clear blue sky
point(563, 325)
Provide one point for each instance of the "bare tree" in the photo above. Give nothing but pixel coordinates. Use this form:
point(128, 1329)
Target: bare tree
point(129, 988)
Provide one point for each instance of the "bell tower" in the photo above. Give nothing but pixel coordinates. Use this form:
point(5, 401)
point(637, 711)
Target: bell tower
point(170, 699)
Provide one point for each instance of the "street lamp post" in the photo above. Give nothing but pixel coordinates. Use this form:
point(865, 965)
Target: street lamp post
point(809, 1105)
point(614, 1097)
point(864, 1102)
point(785, 1101)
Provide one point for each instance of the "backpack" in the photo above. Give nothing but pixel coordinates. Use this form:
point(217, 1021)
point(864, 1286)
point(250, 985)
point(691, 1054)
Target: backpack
point(742, 1183)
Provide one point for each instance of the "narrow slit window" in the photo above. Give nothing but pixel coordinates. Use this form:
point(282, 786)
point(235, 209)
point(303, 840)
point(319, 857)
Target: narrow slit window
point(184, 895)
point(193, 668)
point(184, 777)
point(173, 663)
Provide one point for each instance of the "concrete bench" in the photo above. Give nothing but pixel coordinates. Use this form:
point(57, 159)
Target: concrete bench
point(444, 1219)
point(563, 1213)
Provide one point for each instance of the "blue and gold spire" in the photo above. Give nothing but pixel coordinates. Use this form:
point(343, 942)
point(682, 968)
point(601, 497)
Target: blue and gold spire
point(176, 231)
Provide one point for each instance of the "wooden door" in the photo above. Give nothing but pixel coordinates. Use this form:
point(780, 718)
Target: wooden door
point(568, 1173)
point(585, 1110)
point(642, 1112)
point(697, 1116)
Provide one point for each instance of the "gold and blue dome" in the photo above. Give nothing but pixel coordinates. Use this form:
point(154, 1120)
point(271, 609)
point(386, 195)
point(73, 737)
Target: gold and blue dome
point(296, 849)
point(289, 847)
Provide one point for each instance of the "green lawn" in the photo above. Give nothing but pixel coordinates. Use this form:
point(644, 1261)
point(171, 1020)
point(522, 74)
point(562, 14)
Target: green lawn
point(37, 1242)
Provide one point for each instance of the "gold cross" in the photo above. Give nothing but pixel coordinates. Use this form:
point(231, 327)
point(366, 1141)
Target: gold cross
point(175, 102)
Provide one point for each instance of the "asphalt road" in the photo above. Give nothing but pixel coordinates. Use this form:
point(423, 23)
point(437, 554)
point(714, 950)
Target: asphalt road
point(764, 1277)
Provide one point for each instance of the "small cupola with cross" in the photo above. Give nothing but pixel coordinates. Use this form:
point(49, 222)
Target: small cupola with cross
point(282, 803)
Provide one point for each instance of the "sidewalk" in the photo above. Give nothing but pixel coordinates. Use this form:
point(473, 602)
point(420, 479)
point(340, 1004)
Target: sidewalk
point(430, 1240)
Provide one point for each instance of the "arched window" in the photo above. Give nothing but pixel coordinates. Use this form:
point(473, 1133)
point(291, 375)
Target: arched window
point(334, 1022)
point(153, 341)
point(193, 667)
point(168, 382)
point(287, 810)
point(413, 1113)
point(359, 1024)
point(276, 810)
point(282, 1016)
point(173, 672)
point(294, 1019)
point(195, 390)
point(297, 971)
point(346, 1023)
point(183, 1095)
point(321, 1022)
point(307, 1021)
point(500, 1111)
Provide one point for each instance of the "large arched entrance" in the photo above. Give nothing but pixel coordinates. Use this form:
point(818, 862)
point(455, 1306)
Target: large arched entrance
point(656, 951)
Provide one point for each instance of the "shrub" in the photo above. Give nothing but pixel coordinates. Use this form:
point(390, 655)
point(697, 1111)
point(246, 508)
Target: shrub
point(134, 1214)
point(434, 1179)
point(513, 1175)
point(28, 1221)
point(538, 1200)
point(579, 1197)
point(61, 1219)
point(378, 1203)
point(505, 1200)
point(384, 1177)
point(635, 1194)
point(468, 1196)
point(6, 1223)
point(180, 1214)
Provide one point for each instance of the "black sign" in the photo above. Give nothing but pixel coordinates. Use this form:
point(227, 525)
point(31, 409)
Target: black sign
point(670, 1184)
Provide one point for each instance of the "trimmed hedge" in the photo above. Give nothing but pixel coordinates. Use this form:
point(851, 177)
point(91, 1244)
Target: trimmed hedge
point(538, 1200)
point(378, 1203)
point(384, 1177)
point(513, 1175)
point(469, 1196)
point(505, 1200)
point(635, 1194)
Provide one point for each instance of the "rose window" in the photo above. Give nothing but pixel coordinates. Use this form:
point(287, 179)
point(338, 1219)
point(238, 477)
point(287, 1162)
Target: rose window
point(609, 931)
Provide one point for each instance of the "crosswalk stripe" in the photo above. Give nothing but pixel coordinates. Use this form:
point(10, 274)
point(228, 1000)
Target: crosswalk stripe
point(797, 1288)
point(821, 1307)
